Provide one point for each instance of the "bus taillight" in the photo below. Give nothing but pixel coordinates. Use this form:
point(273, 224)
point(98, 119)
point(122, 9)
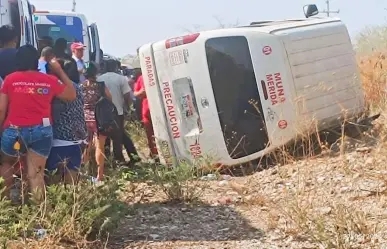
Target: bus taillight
point(181, 40)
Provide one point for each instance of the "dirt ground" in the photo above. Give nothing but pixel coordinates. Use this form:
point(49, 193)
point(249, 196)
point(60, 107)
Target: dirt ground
point(330, 201)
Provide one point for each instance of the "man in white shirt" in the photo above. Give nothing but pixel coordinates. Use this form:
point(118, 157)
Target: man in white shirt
point(120, 91)
point(77, 48)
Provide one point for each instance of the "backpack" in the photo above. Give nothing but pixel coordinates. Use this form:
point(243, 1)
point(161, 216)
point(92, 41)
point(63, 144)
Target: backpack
point(105, 114)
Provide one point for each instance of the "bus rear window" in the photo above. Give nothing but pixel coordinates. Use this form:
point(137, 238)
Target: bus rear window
point(236, 95)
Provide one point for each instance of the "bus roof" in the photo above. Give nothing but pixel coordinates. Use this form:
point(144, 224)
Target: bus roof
point(57, 12)
point(267, 27)
point(272, 26)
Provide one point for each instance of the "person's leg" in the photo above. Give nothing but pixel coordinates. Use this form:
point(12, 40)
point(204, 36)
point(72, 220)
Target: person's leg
point(107, 147)
point(35, 173)
point(54, 162)
point(118, 140)
point(150, 137)
point(127, 141)
point(71, 168)
point(100, 156)
point(91, 130)
point(9, 157)
point(6, 172)
point(138, 108)
point(130, 148)
point(38, 140)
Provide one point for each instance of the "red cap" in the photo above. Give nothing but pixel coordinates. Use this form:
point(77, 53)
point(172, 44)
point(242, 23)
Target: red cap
point(77, 45)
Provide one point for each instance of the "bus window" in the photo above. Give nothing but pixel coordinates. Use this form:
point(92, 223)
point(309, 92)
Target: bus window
point(61, 27)
point(236, 95)
point(28, 23)
point(55, 32)
point(15, 17)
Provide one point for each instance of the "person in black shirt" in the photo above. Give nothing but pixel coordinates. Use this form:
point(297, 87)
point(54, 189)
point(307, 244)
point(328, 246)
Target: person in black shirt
point(60, 52)
point(8, 42)
point(60, 49)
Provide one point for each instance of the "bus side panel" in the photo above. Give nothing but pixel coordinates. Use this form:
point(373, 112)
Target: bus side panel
point(161, 132)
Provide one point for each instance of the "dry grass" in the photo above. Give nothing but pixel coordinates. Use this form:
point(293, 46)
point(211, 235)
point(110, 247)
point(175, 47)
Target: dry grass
point(332, 214)
point(373, 73)
point(326, 200)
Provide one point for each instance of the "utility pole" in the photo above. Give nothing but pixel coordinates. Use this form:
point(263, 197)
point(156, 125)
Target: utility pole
point(328, 10)
point(74, 5)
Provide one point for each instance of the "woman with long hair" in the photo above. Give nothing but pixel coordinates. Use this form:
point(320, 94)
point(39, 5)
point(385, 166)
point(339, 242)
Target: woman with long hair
point(92, 91)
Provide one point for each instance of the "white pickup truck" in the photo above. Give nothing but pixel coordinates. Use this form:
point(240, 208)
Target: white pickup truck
point(237, 94)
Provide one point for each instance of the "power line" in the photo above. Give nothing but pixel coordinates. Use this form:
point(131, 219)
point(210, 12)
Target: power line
point(328, 10)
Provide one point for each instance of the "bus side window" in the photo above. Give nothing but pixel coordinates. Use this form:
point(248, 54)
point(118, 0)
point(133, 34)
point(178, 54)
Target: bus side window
point(15, 18)
point(91, 44)
point(34, 39)
point(27, 31)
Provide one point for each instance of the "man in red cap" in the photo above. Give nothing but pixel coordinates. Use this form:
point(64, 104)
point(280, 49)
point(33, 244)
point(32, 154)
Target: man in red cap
point(77, 48)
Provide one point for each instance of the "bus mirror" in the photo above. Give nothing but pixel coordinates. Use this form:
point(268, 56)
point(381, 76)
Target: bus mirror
point(310, 10)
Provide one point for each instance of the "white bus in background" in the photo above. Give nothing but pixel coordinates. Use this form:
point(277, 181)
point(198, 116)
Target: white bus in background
point(237, 94)
point(19, 13)
point(71, 26)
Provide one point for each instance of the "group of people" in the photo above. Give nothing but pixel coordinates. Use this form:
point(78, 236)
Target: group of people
point(49, 103)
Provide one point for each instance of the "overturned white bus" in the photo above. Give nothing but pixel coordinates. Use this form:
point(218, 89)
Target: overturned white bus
point(237, 94)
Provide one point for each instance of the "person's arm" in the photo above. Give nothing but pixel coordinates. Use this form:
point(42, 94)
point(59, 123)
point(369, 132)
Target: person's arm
point(125, 89)
point(139, 91)
point(108, 94)
point(3, 102)
point(3, 107)
point(140, 94)
point(66, 93)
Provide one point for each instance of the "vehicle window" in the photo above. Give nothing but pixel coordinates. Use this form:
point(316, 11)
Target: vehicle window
point(91, 44)
point(55, 32)
point(15, 16)
point(236, 95)
point(28, 22)
point(57, 26)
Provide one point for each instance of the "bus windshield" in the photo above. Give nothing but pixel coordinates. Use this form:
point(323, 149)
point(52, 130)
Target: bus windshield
point(56, 26)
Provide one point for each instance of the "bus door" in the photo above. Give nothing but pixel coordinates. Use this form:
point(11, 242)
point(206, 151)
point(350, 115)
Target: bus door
point(95, 48)
point(26, 21)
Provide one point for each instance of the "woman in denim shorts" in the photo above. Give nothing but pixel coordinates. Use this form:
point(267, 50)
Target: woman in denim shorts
point(25, 116)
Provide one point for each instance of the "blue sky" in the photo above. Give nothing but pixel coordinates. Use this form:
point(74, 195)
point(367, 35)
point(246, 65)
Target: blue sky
point(125, 25)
